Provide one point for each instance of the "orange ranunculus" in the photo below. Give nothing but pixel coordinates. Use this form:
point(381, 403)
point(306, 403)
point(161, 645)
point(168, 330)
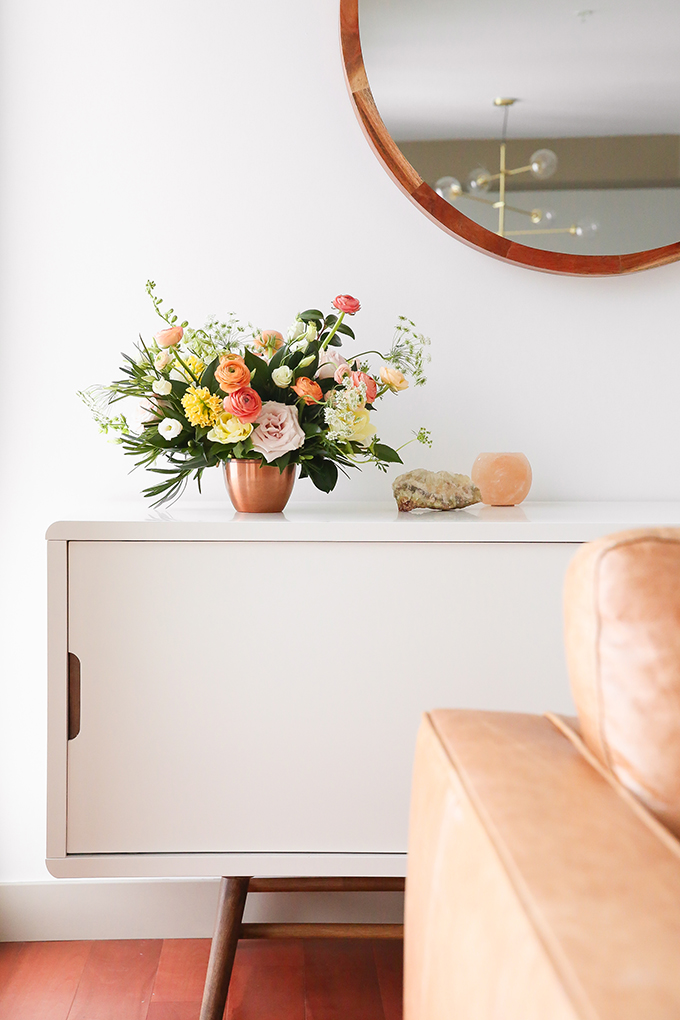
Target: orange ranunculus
point(232, 373)
point(306, 388)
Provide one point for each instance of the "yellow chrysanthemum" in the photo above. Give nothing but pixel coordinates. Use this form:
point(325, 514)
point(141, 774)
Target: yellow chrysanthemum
point(201, 406)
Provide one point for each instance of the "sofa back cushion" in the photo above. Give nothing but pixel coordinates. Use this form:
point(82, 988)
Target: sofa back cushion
point(622, 637)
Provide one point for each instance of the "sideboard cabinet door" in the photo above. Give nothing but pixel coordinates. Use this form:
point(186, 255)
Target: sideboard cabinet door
point(264, 696)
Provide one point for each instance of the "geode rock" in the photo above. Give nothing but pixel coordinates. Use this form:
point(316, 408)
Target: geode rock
point(434, 490)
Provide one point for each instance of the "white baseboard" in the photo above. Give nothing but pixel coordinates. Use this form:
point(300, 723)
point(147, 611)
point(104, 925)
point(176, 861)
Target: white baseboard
point(163, 908)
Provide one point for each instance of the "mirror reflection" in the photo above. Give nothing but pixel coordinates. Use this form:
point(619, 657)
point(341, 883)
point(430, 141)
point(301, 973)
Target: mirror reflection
point(554, 125)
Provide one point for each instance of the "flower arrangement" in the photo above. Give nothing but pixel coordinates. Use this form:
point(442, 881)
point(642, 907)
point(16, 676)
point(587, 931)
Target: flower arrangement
point(227, 391)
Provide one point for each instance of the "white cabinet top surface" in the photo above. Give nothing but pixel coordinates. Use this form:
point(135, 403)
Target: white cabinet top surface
point(363, 522)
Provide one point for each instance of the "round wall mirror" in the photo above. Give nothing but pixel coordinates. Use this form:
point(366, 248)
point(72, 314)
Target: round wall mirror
point(541, 133)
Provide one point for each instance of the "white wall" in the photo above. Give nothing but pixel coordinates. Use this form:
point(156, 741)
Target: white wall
point(212, 146)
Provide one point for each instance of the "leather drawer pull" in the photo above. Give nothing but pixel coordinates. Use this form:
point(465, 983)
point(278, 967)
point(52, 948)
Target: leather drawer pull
point(73, 695)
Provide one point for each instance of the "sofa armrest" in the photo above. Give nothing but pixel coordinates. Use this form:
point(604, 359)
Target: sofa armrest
point(535, 890)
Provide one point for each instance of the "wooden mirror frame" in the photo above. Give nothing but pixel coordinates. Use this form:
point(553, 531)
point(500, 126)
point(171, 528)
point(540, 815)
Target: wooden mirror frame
point(445, 215)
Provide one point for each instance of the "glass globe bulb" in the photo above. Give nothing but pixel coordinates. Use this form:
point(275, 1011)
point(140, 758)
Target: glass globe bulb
point(543, 163)
point(478, 181)
point(586, 228)
point(449, 188)
point(544, 216)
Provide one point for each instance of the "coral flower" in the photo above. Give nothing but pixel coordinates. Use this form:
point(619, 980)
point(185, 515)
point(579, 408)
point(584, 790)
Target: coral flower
point(347, 304)
point(169, 337)
point(232, 373)
point(393, 378)
point(309, 390)
point(244, 403)
point(369, 382)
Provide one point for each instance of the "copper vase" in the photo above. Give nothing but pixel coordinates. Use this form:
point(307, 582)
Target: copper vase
point(256, 488)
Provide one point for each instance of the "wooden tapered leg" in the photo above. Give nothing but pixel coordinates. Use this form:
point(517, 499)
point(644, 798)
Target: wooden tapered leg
point(233, 892)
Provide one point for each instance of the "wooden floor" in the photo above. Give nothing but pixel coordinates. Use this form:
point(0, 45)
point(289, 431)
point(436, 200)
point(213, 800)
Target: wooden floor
point(163, 980)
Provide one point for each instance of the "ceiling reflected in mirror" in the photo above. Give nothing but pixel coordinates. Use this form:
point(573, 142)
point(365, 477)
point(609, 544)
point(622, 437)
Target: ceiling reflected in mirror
point(472, 91)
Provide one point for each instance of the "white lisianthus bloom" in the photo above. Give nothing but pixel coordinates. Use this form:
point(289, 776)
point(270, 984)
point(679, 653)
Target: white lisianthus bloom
point(162, 360)
point(162, 387)
point(312, 331)
point(297, 329)
point(282, 376)
point(169, 428)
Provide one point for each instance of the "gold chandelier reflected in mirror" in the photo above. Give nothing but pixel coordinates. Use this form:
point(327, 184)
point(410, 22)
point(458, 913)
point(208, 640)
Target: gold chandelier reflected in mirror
point(542, 164)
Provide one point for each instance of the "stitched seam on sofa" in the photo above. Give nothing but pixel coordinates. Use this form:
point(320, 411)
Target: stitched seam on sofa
point(558, 959)
point(652, 823)
point(598, 661)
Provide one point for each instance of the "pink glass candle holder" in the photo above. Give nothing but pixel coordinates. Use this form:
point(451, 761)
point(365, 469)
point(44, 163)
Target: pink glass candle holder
point(504, 479)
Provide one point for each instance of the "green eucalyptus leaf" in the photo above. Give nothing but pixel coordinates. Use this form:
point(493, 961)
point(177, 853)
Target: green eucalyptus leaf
point(253, 360)
point(323, 473)
point(386, 453)
point(347, 330)
point(278, 358)
point(208, 376)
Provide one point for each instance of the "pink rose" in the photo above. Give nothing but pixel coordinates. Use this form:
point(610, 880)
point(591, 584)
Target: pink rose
point(278, 430)
point(244, 403)
point(169, 337)
point(369, 382)
point(329, 361)
point(341, 371)
point(347, 304)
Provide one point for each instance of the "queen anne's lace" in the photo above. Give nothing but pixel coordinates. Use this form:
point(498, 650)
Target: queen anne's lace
point(340, 411)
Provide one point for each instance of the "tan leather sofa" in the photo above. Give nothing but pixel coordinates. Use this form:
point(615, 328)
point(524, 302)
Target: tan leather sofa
point(542, 884)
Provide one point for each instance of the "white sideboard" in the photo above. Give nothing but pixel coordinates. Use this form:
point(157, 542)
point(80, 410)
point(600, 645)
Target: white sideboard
point(251, 685)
